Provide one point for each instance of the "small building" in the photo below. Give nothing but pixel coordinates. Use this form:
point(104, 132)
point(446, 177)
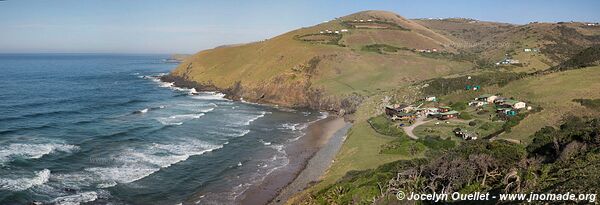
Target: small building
point(515, 104)
point(427, 111)
point(337, 32)
point(448, 115)
point(444, 109)
point(431, 99)
point(404, 116)
point(344, 30)
point(506, 111)
point(486, 98)
point(464, 134)
point(478, 103)
point(390, 111)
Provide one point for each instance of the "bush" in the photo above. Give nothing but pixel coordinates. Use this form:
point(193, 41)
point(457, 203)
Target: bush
point(589, 103)
point(382, 48)
point(472, 123)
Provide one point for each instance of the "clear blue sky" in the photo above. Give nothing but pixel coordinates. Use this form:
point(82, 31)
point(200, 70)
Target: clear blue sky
point(187, 26)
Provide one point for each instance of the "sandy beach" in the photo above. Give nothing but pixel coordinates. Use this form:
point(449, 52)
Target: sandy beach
point(309, 157)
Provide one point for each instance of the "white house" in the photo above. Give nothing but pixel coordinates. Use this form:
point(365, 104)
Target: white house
point(344, 30)
point(486, 98)
point(337, 32)
point(430, 99)
point(519, 105)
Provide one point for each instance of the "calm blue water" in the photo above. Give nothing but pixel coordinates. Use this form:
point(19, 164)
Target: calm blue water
point(99, 129)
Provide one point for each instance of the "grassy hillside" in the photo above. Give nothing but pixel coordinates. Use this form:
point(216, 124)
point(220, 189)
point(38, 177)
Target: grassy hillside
point(318, 67)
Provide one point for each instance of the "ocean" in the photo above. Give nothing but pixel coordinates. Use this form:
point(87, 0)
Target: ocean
point(98, 129)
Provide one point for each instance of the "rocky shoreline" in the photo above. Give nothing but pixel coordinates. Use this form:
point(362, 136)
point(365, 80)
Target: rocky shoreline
point(311, 98)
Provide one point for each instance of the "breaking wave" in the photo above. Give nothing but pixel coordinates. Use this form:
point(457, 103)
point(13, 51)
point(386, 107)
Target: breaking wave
point(178, 119)
point(21, 184)
point(32, 151)
point(136, 164)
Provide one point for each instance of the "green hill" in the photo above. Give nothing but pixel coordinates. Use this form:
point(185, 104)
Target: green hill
point(333, 65)
point(310, 67)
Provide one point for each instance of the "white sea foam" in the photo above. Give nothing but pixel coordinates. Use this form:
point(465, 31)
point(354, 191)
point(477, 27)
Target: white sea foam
point(193, 91)
point(262, 114)
point(122, 174)
point(76, 199)
point(178, 119)
point(209, 96)
point(265, 142)
point(32, 151)
point(21, 184)
point(207, 110)
point(294, 126)
point(136, 164)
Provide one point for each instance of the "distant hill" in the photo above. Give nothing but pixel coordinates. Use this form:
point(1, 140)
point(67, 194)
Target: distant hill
point(548, 44)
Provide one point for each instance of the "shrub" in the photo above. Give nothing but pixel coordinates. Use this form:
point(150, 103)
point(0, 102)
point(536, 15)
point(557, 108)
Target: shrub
point(472, 123)
point(589, 103)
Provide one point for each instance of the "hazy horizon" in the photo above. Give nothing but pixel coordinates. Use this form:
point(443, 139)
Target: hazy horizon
point(160, 27)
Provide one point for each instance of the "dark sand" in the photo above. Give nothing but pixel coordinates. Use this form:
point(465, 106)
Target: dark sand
point(284, 182)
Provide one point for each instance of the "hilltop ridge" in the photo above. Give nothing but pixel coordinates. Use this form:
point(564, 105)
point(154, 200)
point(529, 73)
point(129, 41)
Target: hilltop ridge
point(335, 64)
point(327, 66)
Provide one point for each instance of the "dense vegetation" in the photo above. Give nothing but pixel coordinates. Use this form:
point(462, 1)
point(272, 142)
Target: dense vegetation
point(376, 23)
point(558, 160)
point(382, 48)
point(589, 103)
point(585, 58)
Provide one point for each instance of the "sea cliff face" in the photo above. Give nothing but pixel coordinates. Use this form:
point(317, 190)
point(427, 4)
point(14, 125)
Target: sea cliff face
point(283, 90)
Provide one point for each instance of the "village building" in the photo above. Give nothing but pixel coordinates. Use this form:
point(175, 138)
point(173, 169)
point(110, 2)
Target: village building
point(427, 111)
point(431, 99)
point(486, 98)
point(514, 104)
point(399, 113)
point(508, 61)
point(477, 103)
point(448, 115)
point(444, 109)
point(344, 30)
point(506, 111)
point(404, 116)
point(464, 134)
